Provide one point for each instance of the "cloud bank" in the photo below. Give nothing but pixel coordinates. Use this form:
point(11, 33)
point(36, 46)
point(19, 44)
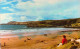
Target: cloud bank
point(35, 10)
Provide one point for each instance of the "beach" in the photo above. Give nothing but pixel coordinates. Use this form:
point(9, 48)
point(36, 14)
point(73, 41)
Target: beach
point(45, 41)
point(39, 42)
point(32, 42)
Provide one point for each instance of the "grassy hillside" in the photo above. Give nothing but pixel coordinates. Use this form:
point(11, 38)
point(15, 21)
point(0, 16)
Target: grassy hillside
point(50, 23)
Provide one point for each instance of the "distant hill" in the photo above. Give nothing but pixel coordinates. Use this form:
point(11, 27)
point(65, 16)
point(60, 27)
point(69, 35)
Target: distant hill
point(49, 23)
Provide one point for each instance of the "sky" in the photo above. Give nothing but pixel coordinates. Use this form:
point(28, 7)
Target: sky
point(37, 10)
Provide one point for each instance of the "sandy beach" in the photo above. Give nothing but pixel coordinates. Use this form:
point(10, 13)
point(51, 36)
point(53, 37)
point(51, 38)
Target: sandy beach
point(45, 41)
point(37, 42)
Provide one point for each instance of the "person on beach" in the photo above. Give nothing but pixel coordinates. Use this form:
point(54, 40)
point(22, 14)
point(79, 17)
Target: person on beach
point(64, 41)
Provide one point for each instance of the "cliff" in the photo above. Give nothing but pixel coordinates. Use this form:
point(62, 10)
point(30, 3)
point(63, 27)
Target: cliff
point(49, 23)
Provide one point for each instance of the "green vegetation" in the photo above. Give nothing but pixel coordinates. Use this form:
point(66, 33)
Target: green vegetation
point(75, 35)
point(66, 46)
point(49, 23)
point(75, 25)
point(70, 44)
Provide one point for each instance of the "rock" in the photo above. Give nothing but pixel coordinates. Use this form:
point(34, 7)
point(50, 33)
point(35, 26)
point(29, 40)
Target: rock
point(72, 43)
point(78, 40)
point(73, 47)
point(24, 40)
point(42, 41)
point(45, 34)
point(72, 40)
point(28, 38)
point(69, 40)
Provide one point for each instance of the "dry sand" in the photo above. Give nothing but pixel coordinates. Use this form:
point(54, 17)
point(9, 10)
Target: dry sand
point(46, 41)
point(32, 42)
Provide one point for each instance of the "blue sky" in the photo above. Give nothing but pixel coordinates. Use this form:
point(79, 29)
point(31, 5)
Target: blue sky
point(36, 10)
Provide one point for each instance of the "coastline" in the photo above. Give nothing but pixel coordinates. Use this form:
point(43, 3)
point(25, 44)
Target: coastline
point(45, 41)
point(48, 32)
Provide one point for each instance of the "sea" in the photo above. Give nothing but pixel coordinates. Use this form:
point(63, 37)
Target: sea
point(7, 31)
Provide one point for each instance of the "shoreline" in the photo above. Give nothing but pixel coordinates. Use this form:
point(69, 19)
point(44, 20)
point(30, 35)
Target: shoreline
point(41, 26)
point(33, 42)
point(49, 32)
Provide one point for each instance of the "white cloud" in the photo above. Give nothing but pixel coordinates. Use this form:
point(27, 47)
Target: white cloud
point(36, 3)
point(4, 2)
point(71, 11)
point(23, 17)
point(47, 1)
point(8, 8)
point(5, 7)
point(5, 17)
point(40, 9)
point(38, 18)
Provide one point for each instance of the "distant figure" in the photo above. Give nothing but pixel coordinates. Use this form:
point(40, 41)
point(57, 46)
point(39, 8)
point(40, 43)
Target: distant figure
point(4, 44)
point(64, 41)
